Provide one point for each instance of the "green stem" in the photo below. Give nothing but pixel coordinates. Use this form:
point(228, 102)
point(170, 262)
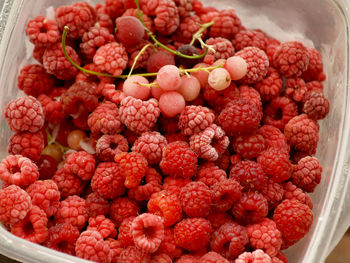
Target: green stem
point(137, 57)
point(49, 138)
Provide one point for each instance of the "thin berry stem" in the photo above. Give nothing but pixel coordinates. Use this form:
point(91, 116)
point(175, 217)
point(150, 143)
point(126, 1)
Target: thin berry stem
point(198, 35)
point(137, 57)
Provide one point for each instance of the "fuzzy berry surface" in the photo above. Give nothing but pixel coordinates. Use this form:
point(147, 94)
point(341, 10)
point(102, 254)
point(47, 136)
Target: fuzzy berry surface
point(81, 164)
point(27, 144)
point(108, 146)
point(307, 173)
point(72, 210)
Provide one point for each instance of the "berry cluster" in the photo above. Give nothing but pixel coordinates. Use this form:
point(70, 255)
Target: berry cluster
point(202, 154)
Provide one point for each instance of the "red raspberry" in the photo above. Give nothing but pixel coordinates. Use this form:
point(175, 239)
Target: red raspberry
point(149, 7)
point(134, 255)
point(52, 109)
point(249, 146)
point(25, 114)
point(192, 233)
point(282, 257)
point(314, 70)
point(223, 162)
point(251, 208)
point(173, 137)
point(218, 219)
point(178, 160)
point(18, 170)
point(38, 53)
point(111, 94)
point(33, 227)
point(184, 7)
point(197, 6)
point(224, 194)
point(279, 112)
point(150, 145)
point(276, 164)
point(103, 225)
point(257, 256)
point(226, 23)
point(167, 205)
point(302, 133)
point(249, 174)
point(291, 59)
point(239, 116)
point(271, 46)
point(271, 86)
point(249, 38)
point(307, 173)
point(122, 208)
point(72, 210)
point(316, 105)
point(96, 205)
point(15, 203)
point(81, 164)
point(27, 144)
point(293, 219)
point(45, 195)
point(62, 237)
point(114, 8)
point(210, 143)
point(102, 17)
point(196, 199)
point(137, 115)
point(251, 94)
point(295, 89)
point(161, 258)
point(167, 17)
point(168, 245)
point(257, 62)
point(188, 26)
point(91, 246)
point(153, 184)
point(292, 192)
point(108, 180)
point(273, 192)
point(124, 232)
point(223, 48)
point(210, 174)
point(57, 64)
point(42, 31)
point(314, 85)
point(188, 258)
point(213, 257)
point(68, 183)
point(79, 17)
point(108, 146)
point(175, 184)
point(34, 80)
point(111, 57)
point(274, 138)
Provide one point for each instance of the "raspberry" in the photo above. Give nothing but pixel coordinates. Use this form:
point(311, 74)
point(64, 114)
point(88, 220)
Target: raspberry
point(274, 138)
point(316, 105)
point(108, 180)
point(196, 199)
point(178, 160)
point(251, 208)
point(249, 38)
point(122, 208)
point(293, 219)
point(184, 7)
point(94, 38)
point(210, 174)
point(137, 115)
point(229, 240)
point(257, 62)
point(111, 94)
point(187, 27)
point(291, 59)
point(249, 145)
point(168, 245)
point(175, 184)
point(27, 144)
point(79, 17)
point(223, 48)
point(34, 80)
point(271, 86)
point(134, 255)
point(115, 247)
point(114, 8)
point(124, 232)
point(102, 17)
point(166, 205)
point(226, 23)
point(296, 89)
point(276, 164)
point(111, 57)
point(108, 146)
point(249, 174)
point(210, 143)
point(302, 133)
point(52, 109)
point(239, 116)
point(72, 210)
point(265, 236)
point(38, 53)
point(251, 94)
point(62, 237)
point(213, 257)
point(81, 164)
point(188, 258)
point(57, 64)
point(103, 225)
point(68, 183)
point(271, 46)
point(45, 195)
point(273, 192)
point(42, 31)
point(148, 232)
point(257, 256)
point(161, 258)
point(192, 233)
point(33, 227)
point(292, 192)
point(153, 182)
point(167, 17)
point(279, 112)
point(15, 203)
point(25, 114)
point(150, 145)
point(307, 173)
point(218, 100)
point(96, 205)
point(149, 7)
point(224, 194)
point(314, 70)
point(18, 170)
point(91, 246)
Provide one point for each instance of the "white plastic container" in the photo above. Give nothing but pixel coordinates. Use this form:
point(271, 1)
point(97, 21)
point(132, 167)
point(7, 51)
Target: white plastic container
point(323, 23)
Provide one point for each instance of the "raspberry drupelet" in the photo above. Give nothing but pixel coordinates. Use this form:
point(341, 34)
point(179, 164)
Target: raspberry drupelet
point(53, 109)
point(255, 256)
point(42, 31)
point(27, 144)
point(224, 194)
point(25, 114)
point(81, 164)
point(68, 183)
point(249, 145)
point(122, 208)
point(292, 192)
point(103, 225)
point(249, 38)
point(271, 86)
point(96, 205)
point(307, 173)
point(108, 146)
point(223, 48)
point(210, 174)
point(72, 210)
point(167, 17)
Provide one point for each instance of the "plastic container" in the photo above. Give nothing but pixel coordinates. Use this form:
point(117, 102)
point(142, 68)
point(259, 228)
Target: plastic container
point(323, 23)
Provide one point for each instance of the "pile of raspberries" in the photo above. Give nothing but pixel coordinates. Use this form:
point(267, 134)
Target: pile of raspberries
point(227, 180)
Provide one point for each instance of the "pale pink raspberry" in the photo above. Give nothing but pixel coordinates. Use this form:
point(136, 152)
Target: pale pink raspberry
point(223, 47)
point(108, 146)
point(42, 31)
point(167, 17)
point(110, 93)
point(257, 256)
